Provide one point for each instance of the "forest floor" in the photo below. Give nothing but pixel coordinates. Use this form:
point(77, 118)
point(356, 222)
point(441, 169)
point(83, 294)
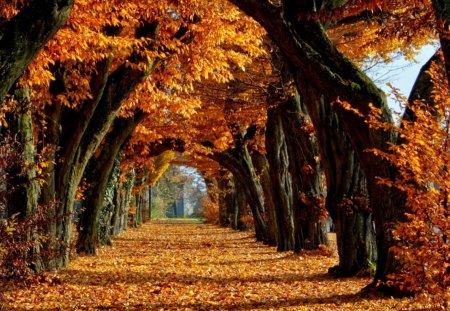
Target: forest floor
point(163, 266)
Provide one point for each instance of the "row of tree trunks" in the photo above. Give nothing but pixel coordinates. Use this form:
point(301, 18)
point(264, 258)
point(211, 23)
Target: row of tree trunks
point(122, 199)
point(239, 162)
point(80, 132)
point(97, 176)
point(323, 75)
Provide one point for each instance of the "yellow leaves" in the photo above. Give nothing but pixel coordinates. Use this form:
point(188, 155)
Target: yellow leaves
point(347, 106)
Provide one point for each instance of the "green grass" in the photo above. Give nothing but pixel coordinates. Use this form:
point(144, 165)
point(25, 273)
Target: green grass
point(180, 220)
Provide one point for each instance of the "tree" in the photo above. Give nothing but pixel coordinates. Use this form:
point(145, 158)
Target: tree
point(422, 241)
point(324, 75)
point(24, 30)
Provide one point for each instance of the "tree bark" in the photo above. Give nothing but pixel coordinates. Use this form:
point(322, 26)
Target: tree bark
point(225, 198)
point(323, 75)
point(281, 180)
point(239, 163)
point(262, 170)
point(307, 175)
point(24, 190)
point(98, 174)
point(22, 186)
point(442, 13)
point(240, 207)
point(25, 34)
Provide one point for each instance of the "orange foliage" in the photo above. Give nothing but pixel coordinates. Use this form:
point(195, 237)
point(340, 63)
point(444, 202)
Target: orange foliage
point(210, 210)
point(381, 28)
point(423, 242)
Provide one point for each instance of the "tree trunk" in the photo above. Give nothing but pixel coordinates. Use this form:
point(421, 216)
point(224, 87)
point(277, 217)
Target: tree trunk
point(240, 207)
point(307, 175)
point(345, 181)
point(117, 215)
point(281, 180)
point(239, 163)
point(24, 190)
point(262, 168)
point(25, 34)
point(127, 197)
point(322, 71)
point(225, 198)
point(150, 201)
point(98, 174)
point(22, 186)
point(108, 209)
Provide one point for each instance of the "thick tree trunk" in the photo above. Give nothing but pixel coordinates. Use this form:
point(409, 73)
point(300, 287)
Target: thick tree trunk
point(25, 34)
point(307, 175)
point(322, 71)
point(98, 174)
point(344, 179)
point(22, 188)
point(262, 169)
point(239, 163)
point(225, 198)
point(240, 207)
point(281, 180)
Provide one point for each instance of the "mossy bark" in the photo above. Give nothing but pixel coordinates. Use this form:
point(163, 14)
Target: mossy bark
point(321, 70)
point(281, 180)
point(22, 186)
point(98, 174)
point(238, 161)
point(25, 34)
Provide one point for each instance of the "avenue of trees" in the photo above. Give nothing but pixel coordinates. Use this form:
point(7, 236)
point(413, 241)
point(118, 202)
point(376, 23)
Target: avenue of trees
point(267, 99)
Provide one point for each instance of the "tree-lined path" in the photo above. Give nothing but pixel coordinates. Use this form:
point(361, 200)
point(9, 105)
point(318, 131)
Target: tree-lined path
point(162, 266)
point(259, 115)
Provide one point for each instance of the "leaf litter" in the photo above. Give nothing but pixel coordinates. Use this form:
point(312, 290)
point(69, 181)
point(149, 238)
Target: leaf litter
point(163, 266)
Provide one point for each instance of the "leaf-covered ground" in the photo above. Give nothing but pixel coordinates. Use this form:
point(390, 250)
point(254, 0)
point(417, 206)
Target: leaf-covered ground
point(164, 266)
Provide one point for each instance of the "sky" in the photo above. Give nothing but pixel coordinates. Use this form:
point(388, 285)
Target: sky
point(401, 74)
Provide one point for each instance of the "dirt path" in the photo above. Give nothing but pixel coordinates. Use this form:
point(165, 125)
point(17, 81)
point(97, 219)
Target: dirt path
point(196, 267)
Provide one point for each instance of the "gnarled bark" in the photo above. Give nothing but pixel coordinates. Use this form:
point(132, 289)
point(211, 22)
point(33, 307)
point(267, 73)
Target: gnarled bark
point(322, 76)
point(281, 181)
point(25, 34)
point(238, 161)
point(98, 175)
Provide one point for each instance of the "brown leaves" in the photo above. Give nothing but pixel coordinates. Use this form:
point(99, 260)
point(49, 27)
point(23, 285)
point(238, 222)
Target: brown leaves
point(196, 267)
